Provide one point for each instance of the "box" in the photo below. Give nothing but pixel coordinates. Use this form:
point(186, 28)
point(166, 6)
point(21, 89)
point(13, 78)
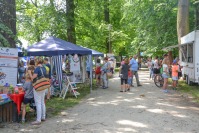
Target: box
point(3, 96)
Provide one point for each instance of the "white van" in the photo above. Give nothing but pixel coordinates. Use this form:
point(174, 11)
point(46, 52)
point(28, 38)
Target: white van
point(189, 57)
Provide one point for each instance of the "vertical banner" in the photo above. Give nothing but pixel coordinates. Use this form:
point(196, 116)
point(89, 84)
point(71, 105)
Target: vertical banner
point(75, 68)
point(8, 65)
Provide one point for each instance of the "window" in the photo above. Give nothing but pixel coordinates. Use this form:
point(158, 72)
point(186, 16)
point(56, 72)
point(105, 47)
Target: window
point(184, 53)
point(190, 53)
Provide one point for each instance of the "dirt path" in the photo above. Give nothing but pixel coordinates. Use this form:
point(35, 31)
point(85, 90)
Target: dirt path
point(144, 109)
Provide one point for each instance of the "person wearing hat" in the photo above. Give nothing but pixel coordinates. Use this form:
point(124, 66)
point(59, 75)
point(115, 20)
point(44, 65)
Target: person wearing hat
point(174, 74)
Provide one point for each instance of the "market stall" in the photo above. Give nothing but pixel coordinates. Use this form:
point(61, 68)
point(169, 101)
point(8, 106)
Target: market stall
point(57, 48)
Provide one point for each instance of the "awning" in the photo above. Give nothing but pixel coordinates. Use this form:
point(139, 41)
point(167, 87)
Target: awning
point(175, 46)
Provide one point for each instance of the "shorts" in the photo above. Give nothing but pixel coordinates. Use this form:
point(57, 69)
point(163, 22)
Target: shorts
point(156, 71)
point(123, 81)
point(175, 78)
point(129, 81)
point(27, 100)
point(165, 76)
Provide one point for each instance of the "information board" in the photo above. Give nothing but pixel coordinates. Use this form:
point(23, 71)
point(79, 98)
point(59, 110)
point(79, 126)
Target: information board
point(8, 65)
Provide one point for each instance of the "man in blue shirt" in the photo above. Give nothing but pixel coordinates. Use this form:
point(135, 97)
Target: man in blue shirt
point(134, 68)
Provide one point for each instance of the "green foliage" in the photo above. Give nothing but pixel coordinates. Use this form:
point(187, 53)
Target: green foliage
point(145, 25)
point(4, 30)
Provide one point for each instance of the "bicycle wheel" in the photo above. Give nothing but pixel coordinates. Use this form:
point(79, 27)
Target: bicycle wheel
point(158, 80)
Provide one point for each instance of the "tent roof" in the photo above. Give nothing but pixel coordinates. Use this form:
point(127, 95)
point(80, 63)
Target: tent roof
point(95, 53)
point(55, 46)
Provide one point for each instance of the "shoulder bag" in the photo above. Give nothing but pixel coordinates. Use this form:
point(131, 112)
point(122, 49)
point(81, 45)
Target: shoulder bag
point(41, 83)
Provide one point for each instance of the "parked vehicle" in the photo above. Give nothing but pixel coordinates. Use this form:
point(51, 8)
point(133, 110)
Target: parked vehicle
point(189, 57)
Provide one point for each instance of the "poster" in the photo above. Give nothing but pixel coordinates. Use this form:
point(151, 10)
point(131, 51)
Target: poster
point(8, 57)
point(8, 65)
point(8, 75)
point(76, 77)
point(75, 68)
point(74, 63)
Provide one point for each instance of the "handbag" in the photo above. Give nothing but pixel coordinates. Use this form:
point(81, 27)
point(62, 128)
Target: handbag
point(41, 83)
point(109, 74)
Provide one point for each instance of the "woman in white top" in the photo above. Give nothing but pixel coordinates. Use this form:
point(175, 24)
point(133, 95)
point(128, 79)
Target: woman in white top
point(165, 74)
point(156, 68)
point(150, 67)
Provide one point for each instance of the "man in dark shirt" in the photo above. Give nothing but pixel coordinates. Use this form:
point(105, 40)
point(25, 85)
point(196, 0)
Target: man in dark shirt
point(48, 72)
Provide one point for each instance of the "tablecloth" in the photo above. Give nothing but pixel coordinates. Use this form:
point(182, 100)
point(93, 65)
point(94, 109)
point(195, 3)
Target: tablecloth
point(18, 99)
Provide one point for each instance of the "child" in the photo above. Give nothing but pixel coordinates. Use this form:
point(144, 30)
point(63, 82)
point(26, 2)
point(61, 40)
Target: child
point(174, 74)
point(130, 76)
point(28, 88)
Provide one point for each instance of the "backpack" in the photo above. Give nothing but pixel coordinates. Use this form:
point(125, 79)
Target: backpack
point(98, 70)
point(47, 69)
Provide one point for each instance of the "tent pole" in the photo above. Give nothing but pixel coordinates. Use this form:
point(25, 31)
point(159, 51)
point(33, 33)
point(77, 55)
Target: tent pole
point(91, 72)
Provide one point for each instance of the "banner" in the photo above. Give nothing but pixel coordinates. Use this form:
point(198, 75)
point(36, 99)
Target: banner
point(75, 68)
point(8, 65)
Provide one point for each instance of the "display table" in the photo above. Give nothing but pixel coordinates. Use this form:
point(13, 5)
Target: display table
point(18, 99)
point(8, 111)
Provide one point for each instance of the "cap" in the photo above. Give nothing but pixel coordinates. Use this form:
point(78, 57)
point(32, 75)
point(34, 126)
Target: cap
point(174, 61)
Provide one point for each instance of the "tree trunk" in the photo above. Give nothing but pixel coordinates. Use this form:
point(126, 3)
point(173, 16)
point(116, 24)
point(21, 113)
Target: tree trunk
point(197, 16)
point(8, 18)
point(182, 18)
point(107, 21)
point(70, 8)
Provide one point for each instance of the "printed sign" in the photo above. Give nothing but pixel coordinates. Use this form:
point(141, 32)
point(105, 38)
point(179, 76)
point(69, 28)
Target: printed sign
point(74, 63)
point(8, 65)
point(8, 75)
point(8, 57)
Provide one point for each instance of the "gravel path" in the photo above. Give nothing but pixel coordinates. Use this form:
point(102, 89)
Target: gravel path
point(144, 109)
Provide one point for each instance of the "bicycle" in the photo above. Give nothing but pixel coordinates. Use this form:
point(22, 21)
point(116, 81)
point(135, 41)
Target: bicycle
point(159, 80)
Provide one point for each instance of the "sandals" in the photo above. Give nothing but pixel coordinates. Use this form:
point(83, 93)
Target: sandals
point(36, 123)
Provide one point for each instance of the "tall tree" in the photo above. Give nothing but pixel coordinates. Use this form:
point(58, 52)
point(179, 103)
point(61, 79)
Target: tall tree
point(8, 23)
point(107, 21)
point(182, 18)
point(70, 9)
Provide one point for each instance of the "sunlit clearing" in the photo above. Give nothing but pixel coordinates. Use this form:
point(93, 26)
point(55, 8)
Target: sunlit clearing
point(146, 83)
point(26, 130)
point(139, 107)
point(165, 104)
point(159, 111)
point(67, 120)
point(131, 123)
point(127, 130)
point(138, 98)
point(91, 99)
point(175, 113)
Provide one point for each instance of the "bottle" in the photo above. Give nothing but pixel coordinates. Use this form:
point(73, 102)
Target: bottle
point(16, 90)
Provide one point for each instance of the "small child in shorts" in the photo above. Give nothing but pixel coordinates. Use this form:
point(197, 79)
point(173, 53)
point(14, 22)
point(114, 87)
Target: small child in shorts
point(130, 76)
point(28, 88)
point(174, 74)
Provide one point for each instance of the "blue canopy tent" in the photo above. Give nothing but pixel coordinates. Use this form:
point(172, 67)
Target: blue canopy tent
point(95, 53)
point(56, 47)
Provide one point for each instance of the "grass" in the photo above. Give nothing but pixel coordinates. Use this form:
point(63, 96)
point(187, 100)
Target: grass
point(187, 89)
point(56, 104)
point(192, 90)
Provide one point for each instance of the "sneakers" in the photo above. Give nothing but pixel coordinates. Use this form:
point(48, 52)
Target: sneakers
point(36, 123)
point(23, 121)
point(139, 85)
point(165, 91)
point(43, 119)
